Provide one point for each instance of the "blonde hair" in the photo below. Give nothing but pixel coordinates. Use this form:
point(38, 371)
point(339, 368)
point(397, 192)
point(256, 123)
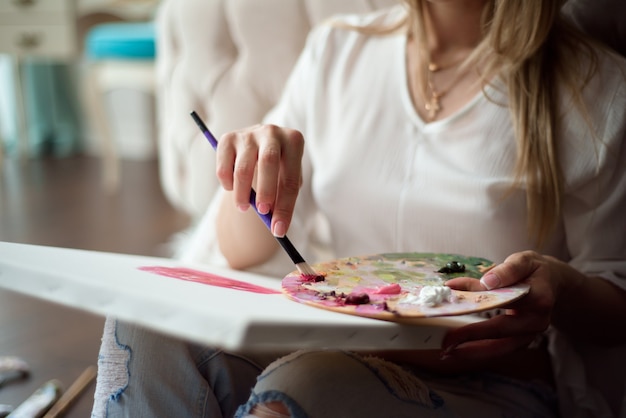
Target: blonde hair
point(537, 52)
point(530, 46)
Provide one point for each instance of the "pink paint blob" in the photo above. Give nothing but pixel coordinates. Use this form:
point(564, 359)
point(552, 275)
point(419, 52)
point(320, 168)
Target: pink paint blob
point(210, 279)
point(390, 289)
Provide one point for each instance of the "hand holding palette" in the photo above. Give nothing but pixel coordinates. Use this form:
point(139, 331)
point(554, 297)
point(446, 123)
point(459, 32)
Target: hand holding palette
point(399, 286)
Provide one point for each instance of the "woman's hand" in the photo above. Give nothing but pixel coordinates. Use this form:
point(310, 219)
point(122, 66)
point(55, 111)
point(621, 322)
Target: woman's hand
point(269, 156)
point(524, 318)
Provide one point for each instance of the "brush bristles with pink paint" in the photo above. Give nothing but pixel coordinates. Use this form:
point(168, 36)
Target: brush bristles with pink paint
point(303, 267)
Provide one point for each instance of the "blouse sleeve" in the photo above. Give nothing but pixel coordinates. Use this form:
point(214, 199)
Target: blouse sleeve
point(595, 210)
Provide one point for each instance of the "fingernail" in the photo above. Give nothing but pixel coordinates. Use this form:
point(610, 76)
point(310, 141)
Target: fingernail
point(279, 229)
point(263, 208)
point(243, 208)
point(490, 281)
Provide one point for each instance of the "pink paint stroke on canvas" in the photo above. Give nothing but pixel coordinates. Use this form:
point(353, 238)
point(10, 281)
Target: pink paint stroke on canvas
point(210, 279)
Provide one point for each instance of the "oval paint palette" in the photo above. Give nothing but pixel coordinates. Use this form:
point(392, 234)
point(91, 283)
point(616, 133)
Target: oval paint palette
point(398, 286)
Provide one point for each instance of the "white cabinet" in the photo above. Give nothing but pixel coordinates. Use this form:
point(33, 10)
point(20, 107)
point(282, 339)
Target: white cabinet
point(45, 28)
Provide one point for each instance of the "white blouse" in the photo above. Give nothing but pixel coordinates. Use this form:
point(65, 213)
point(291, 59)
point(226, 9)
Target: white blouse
point(386, 181)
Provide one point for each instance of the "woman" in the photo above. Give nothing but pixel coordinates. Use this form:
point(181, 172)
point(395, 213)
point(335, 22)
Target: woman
point(482, 127)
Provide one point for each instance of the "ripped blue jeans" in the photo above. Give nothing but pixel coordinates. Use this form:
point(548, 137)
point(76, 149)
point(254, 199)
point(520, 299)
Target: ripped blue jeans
point(145, 374)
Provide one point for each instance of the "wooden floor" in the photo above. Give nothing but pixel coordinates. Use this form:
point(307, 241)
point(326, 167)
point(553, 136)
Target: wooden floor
point(60, 202)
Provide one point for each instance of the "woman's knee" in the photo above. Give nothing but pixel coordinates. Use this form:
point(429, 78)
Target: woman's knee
point(317, 383)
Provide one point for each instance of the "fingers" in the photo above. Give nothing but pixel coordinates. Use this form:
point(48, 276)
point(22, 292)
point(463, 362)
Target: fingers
point(225, 160)
point(515, 268)
point(488, 349)
point(268, 159)
point(500, 326)
point(289, 183)
point(468, 284)
point(269, 165)
point(496, 336)
point(244, 168)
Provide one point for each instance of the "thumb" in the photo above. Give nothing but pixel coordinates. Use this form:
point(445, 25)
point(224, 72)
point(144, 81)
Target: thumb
point(515, 268)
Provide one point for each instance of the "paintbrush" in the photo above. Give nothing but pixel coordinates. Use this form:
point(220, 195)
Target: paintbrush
point(303, 267)
point(71, 395)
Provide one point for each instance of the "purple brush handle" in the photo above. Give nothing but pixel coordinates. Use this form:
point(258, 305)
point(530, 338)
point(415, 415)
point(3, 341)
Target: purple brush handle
point(266, 217)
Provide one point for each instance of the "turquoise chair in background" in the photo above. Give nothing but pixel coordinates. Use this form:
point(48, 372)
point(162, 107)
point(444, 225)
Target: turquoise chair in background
point(120, 61)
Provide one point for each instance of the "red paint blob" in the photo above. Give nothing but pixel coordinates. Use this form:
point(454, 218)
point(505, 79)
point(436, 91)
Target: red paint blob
point(313, 278)
point(210, 279)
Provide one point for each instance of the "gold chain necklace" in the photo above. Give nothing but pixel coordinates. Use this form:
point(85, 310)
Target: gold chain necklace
point(433, 103)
